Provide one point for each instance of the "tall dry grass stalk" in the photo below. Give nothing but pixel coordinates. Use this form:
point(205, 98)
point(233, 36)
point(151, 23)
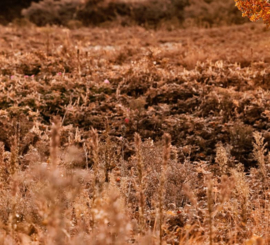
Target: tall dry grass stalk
point(95, 150)
point(12, 214)
point(14, 163)
point(259, 151)
point(85, 149)
point(166, 157)
point(107, 153)
point(112, 220)
point(123, 165)
point(140, 167)
point(222, 158)
point(79, 61)
point(210, 209)
point(241, 190)
point(3, 167)
point(55, 141)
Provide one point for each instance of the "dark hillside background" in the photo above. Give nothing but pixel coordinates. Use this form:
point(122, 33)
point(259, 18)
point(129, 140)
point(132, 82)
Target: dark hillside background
point(148, 13)
point(10, 9)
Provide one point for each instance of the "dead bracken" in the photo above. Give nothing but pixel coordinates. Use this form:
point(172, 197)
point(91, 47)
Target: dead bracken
point(134, 136)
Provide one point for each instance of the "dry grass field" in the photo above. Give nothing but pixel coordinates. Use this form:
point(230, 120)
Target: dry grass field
point(133, 136)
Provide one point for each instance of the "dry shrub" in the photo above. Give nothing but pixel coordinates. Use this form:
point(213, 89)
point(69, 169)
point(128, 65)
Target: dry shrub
point(148, 13)
point(74, 24)
point(241, 142)
point(241, 192)
point(222, 158)
point(192, 57)
point(259, 152)
point(153, 12)
point(22, 23)
point(74, 157)
point(52, 12)
point(209, 13)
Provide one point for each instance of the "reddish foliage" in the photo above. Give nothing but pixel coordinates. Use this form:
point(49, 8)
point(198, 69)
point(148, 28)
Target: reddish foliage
point(255, 9)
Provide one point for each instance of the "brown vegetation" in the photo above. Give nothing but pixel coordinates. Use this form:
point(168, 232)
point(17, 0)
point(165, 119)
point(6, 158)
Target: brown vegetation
point(147, 13)
point(130, 136)
point(209, 13)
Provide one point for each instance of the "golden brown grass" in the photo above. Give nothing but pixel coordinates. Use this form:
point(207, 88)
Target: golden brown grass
point(83, 159)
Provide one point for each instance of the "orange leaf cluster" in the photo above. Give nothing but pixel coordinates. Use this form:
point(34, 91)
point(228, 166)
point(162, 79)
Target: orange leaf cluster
point(255, 9)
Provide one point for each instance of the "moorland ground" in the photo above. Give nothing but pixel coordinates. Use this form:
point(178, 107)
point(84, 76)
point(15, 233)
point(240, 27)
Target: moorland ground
point(71, 102)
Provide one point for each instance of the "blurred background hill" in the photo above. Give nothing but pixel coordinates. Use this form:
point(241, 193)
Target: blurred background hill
point(11, 9)
point(148, 13)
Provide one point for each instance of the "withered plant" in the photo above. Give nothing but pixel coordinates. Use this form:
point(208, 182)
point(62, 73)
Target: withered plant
point(141, 179)
point(163, 172)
